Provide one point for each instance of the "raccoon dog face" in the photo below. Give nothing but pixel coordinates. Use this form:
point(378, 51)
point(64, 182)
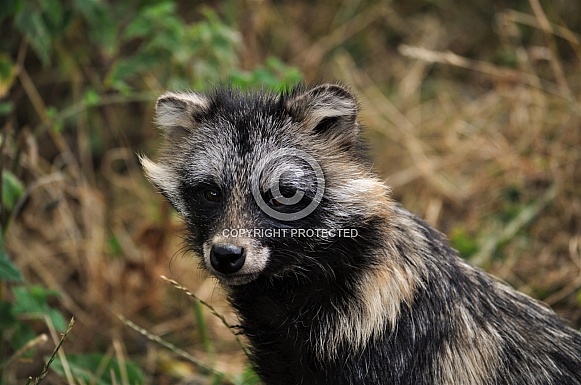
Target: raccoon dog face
point(249, 171)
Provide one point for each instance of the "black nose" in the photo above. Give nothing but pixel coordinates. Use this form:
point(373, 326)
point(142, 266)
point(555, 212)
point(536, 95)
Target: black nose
point(227, 258)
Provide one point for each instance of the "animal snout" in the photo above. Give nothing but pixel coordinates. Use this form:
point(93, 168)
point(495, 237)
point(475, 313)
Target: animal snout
point(227, 258)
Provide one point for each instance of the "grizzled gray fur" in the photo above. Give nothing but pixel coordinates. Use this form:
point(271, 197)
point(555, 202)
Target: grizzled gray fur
point(375, 295)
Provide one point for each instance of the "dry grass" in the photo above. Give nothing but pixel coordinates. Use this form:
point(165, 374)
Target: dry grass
point(487, 150)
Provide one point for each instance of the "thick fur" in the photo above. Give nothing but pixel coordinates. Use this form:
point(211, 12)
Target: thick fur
point(392, 305)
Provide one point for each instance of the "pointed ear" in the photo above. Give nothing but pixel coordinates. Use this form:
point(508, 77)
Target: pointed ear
point(177, 112)
point(164, 178)
point(327, 109)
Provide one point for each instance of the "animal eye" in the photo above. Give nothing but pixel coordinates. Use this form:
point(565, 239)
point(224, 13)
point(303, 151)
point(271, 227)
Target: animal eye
point(271, 200)
point(212, 195)
point(287, 197)
point(275, 202)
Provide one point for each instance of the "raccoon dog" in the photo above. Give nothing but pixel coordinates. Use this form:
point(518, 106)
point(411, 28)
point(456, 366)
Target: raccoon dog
point(333, 282)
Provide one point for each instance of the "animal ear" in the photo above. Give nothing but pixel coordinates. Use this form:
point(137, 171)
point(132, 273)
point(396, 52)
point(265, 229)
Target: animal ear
point(328, 110)
point(177, 112)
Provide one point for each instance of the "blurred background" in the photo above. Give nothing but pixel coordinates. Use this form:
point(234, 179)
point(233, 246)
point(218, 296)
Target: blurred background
point(473, 111)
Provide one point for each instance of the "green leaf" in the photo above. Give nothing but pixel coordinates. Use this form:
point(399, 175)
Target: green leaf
point(30, 22)
point(274, 75)
point(139, 27)
point(28, 300)
point(114, 245)
point(150, 25)
point(41, 22)
point(6, 318)
point(9, 8)
point(103, 23)
point(7, 74)
point(86, 366)
point(23, 333)
point(91, 97)
point(12, 189)
point(126, 69)
point(57, 319)
point(32, 302)
point(57, 17)
point(6, 108)
point(152, 20)
point(52, 113)
point(8, 270)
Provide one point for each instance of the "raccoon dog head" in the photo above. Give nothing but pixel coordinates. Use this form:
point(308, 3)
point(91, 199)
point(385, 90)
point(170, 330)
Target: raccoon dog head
point(266, 182)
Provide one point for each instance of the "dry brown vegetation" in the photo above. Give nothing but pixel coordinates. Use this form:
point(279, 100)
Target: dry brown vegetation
point(473, 113)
